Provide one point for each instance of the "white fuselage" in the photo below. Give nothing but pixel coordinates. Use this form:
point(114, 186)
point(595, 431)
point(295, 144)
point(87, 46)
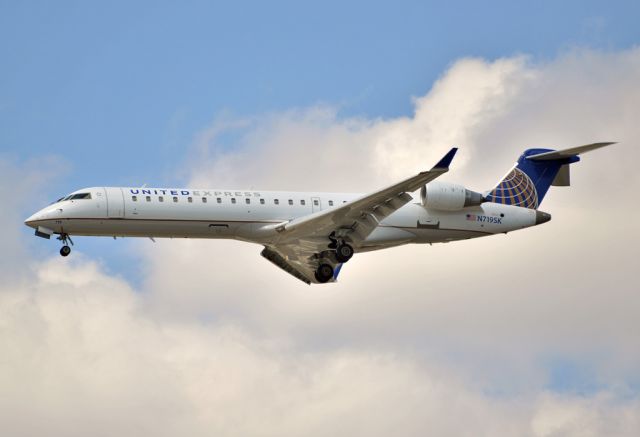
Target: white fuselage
point(252, 215)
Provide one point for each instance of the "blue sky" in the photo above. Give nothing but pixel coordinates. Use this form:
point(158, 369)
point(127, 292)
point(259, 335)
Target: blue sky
point(119, 89)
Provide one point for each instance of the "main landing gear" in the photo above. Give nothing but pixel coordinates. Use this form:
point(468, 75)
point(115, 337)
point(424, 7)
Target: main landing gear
point(324, 273)
point(340, 252)
point(344, 252)
point(65, 250)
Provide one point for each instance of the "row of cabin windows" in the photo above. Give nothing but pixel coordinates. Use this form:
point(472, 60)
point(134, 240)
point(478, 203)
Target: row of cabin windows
point(233, 200)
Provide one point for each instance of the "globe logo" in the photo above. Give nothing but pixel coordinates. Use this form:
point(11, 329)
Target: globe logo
point(515, 189)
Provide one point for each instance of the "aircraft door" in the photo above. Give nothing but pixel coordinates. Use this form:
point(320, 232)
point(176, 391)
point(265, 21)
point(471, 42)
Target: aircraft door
point(115, 202)
point(316, 205)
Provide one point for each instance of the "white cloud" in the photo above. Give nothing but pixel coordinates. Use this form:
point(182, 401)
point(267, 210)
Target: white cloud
point(218, 341)
point(80, 354)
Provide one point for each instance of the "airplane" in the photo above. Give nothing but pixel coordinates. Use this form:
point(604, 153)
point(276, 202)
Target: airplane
point(310, 235)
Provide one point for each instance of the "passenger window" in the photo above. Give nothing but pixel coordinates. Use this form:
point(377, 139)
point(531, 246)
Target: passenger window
point(247, 200)
point(261, 201)
point(290, 202)
point(134, 198)
point(219, 200)
point(233, 200)
point(276, 201)
point(315, 202)
point(302, 202)
point(175, 199)
point(204, 200)
point(160, 199)
point(148, 198)
point(190, 199)
point(331, 203)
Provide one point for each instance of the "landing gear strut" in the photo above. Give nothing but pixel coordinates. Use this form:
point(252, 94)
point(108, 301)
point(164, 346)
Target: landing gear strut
point(324, 273)
point(65, 250)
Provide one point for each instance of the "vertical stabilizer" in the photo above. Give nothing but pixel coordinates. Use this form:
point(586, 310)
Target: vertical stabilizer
point(527, 183)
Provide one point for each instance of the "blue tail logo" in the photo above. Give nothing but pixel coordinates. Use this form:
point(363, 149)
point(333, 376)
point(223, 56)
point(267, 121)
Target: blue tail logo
point(515, 189)
point(536, 170)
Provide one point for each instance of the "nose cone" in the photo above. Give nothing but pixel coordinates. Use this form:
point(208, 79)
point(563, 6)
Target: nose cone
point(542, 217)
point(31, 220)
point(38, 218)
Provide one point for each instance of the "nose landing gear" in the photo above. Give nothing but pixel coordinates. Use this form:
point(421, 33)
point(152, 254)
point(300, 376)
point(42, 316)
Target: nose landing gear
point(65, 250)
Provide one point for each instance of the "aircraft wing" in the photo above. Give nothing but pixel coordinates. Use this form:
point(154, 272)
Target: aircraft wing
point(301, 240)
point(361, 216)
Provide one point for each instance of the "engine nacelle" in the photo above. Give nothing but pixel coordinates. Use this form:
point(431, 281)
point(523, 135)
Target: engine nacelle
point(448, 197)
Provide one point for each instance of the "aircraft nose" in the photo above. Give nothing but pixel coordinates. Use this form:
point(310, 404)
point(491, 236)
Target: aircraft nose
point(31, 220)
point(542, 217)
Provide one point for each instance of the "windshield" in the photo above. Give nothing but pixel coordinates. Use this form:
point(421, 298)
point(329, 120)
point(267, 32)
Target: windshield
point(80, 196)
point(76, 196)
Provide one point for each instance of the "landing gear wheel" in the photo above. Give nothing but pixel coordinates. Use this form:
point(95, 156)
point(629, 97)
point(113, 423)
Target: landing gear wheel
point(65, 250)
point(324, 273)
point(344, 252)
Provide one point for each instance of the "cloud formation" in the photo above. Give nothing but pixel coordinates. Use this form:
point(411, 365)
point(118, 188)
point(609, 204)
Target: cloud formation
point(527, 334)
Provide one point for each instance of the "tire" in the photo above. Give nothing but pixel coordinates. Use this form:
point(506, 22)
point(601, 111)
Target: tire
point(65, 250)
point(344, 252)
point(324, 273)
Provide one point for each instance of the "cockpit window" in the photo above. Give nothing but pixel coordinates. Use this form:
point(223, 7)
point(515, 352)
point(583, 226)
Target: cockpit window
point(80, 196)
point(74, 197)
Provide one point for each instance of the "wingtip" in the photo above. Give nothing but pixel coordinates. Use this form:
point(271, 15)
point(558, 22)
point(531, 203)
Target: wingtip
point(446, 159)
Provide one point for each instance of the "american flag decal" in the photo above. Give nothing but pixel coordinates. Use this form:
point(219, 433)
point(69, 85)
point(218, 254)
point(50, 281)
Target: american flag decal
point(471, 217)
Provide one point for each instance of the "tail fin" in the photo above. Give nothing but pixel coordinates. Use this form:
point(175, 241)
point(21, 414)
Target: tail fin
point(536, 170)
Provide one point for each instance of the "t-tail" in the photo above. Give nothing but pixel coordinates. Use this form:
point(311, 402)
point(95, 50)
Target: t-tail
point(536, 170)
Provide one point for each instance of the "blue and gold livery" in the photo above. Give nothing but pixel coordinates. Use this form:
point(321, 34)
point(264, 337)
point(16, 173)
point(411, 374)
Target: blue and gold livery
point(536, 170)
point(515, 189)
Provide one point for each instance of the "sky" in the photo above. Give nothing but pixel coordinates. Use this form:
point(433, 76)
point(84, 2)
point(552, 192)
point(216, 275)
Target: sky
point(533, 333)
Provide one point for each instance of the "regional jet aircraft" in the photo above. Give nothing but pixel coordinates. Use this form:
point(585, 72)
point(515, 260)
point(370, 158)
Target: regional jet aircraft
point(311, 235)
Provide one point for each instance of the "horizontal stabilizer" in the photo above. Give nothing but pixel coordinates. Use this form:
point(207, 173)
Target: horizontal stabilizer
point(566, 153)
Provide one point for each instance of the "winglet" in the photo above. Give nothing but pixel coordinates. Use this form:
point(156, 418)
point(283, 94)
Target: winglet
point(446, 159)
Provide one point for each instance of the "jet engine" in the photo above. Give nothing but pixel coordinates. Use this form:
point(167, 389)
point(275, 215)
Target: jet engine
point(448, 197)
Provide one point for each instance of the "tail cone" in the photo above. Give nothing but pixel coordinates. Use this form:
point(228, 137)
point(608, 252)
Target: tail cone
point(542, 217)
